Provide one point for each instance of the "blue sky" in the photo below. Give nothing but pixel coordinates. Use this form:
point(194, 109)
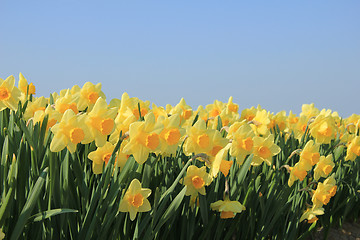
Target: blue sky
point(279, 54)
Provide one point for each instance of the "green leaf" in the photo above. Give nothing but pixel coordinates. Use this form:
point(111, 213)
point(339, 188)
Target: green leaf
point(50, 213)
point(29, 205)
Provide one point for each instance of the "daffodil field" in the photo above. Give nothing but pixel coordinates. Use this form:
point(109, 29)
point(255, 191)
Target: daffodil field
point(75, 166)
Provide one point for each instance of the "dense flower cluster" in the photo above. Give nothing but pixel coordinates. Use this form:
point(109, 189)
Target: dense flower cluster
point(218, 132)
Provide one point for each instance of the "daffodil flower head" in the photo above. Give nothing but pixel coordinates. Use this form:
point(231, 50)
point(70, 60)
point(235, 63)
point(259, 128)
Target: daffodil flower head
point(88, 95)
point(68, 101)
point(215, 109)
point(70, 131)
point(100, 156)
point(171, 134)
point(323, 167)
point(53, 116)
point(324, 192)
point(311, 214)
point(231, 106)
point(144, 138)
point(264, 150)
point(309, 111)
point(243, 143)
point(353, 149)
point(260, 122)
point(24, 87)
point(100, 121)
point(195, 180)
point(184, 110)
point(135, 199)
point(309, 156)
point(296, 173)
point(9, 94)
point(199, 138)
point(37, 104)
point(323, 127)
point(227, 208)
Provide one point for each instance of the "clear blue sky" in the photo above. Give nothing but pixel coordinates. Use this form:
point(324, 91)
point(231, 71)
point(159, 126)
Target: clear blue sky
point(279, 54)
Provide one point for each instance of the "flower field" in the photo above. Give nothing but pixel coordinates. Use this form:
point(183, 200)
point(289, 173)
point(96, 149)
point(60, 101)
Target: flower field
point(75, 166)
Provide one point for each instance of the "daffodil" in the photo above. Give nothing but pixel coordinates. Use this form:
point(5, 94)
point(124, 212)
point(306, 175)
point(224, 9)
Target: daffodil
point(227, 208)
point(24, 87)
point(296, 173)
point(100, 156)
point(53, 116)
point(37, 104)
point(88, 95)
point(324, 192)
point(264, 149)
point(9, 94)
point(353, 149)
point(242, 144)
point(309, 156)
point(195, 180)
point(309, 111)
point(135, 199)
point(100, 121)
point(232, 107)
point(323, 127)
point(144, 138)
point(68, 101)
point(199, 138)
point(311, 213)
point(184, 110)
point(219, 163)
point(260, 122)
point(248, 114)
point(323, 167)
point(70, 131)
point(171, 134)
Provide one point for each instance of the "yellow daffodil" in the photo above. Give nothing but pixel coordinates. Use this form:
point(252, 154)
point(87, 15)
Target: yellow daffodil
point(323, 167)
point(24, 87)
point(9, 94)
point(195, 180)
point(242, 144)
point(219, 162)
point(309, 156)
point(135, 199)
point(248, 114)
point(68, 101)
point(53, 116)
point(264, 149)
point(88, 95)
point(37, 104)
point(260, 122)
point(184, 110)
point(70, 131)
point(171, 134)
point(100, 156)
point(309, 111)
point(232, 107)
point(353, 149)
point(227, 208)
point(324, 191)
point(100, 121)
point(311, 213)
point(215, 109)
point(296, 173)
point(144, 138)
point(199, 138)
point(280, 120)
point(323, 127)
